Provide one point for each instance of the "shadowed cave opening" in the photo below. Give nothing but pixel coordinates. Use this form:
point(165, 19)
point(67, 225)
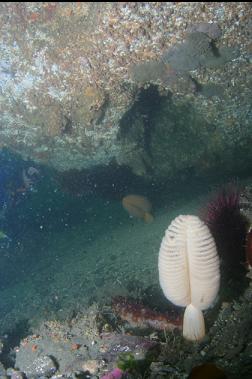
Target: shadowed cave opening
point(177, 145)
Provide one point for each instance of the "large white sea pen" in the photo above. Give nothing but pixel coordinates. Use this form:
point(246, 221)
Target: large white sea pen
point(189, 271)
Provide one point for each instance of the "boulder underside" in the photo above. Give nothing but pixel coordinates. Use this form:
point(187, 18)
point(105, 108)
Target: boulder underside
point(158, 87)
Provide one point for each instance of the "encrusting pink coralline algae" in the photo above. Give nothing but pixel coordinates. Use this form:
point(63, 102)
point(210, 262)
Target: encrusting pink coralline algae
point(116, 373)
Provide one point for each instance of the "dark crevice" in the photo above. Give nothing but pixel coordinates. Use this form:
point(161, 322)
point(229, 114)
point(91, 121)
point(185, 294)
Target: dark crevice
point(12, 339)
point(138, 123)
point(215, 49)
point(67, 127)
point(111, 181)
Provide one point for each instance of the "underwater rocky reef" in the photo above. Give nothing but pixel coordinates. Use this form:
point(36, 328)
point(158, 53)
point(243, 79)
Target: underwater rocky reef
point(139, 335)
point(86, 84)
point(115, 119)
point(95, 343)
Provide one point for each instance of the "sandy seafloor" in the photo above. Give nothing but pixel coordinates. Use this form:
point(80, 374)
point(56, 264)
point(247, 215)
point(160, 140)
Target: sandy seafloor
point(115, 255)
point(109, 254)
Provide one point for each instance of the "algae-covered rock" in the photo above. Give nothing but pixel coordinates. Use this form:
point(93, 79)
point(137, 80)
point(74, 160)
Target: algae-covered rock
point(71, 71)
point(40, 366)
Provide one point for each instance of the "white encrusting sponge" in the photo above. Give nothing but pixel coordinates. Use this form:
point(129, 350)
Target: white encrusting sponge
point(189, 271)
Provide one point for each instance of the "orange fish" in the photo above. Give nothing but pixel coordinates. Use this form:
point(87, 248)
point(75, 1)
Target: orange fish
point(138, 206)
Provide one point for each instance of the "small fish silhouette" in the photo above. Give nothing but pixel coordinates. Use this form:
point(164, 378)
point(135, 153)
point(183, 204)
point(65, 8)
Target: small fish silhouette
point(138, 206)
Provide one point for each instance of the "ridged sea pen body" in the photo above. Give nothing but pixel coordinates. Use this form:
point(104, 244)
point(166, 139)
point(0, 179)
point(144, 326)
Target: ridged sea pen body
point(189, 272)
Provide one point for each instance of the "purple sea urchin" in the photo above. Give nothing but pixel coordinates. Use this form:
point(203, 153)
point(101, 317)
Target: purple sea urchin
point(223, 204)
point(228, 226)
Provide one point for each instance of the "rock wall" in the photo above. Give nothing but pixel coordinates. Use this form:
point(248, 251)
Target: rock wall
point(72, 75)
